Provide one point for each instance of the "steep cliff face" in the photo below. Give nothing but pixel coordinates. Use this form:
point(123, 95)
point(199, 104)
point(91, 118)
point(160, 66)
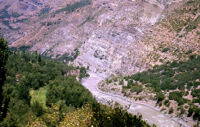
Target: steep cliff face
point(113, 47)
point(107, 33)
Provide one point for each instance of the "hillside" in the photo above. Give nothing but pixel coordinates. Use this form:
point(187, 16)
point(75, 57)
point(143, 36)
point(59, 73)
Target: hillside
point(145, 50)
point(105, 32)
point(46, 93)
point(171, 51)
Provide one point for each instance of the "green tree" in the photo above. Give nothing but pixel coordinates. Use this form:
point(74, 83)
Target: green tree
point(39, 58)
point(37, 108)
point(171, 110)
point(160, 97)
point(3, 59)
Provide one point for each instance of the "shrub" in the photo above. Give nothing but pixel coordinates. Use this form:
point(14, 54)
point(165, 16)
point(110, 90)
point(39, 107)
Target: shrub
point(167, 103)
point(196, 93)
point(37, 109)
point(136, 89)
point(160, 97)
point(177, 96)
point(171, 110)
point(165, 49)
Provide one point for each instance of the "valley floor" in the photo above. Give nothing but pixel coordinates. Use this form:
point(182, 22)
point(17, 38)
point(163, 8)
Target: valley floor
point(150, 114)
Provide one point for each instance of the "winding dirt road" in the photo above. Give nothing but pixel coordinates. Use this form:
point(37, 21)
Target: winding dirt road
point(150, 114)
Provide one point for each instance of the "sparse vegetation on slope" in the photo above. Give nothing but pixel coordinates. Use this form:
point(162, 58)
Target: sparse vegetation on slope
point(174, 37)
point(171, 50)
point(174, 81)
point(74, 6)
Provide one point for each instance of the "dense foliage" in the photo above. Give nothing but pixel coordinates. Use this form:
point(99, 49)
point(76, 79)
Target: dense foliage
point(3, 59)
point(116, 117)
point(41, 92)
point(172, 75)
point(26, 71)
point(69, 91)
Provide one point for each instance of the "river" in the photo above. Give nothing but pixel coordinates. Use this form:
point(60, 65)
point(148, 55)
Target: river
point(150, 114)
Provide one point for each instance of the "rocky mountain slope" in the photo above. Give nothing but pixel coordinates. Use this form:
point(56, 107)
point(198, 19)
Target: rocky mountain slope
point(104, 32)
point(171, 51)
point(116, 37)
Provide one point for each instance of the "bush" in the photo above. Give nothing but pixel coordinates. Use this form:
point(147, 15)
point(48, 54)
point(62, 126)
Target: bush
point(196, 93)
point(165, 49)
point(167, 103)
point(121, 82)
point(195, 111)
point(171, 110)
point(177, 96)
point(136, 89)
point(197, 114)
point(37, 109)
point(160, 97)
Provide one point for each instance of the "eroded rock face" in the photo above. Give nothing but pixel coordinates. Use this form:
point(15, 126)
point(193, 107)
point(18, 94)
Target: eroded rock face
point(112, 47)
point(104, 31)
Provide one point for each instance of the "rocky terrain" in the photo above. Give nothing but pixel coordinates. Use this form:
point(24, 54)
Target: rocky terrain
point(149, 113)
point(173, 45)
point(105, 32)
point(110, 37)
